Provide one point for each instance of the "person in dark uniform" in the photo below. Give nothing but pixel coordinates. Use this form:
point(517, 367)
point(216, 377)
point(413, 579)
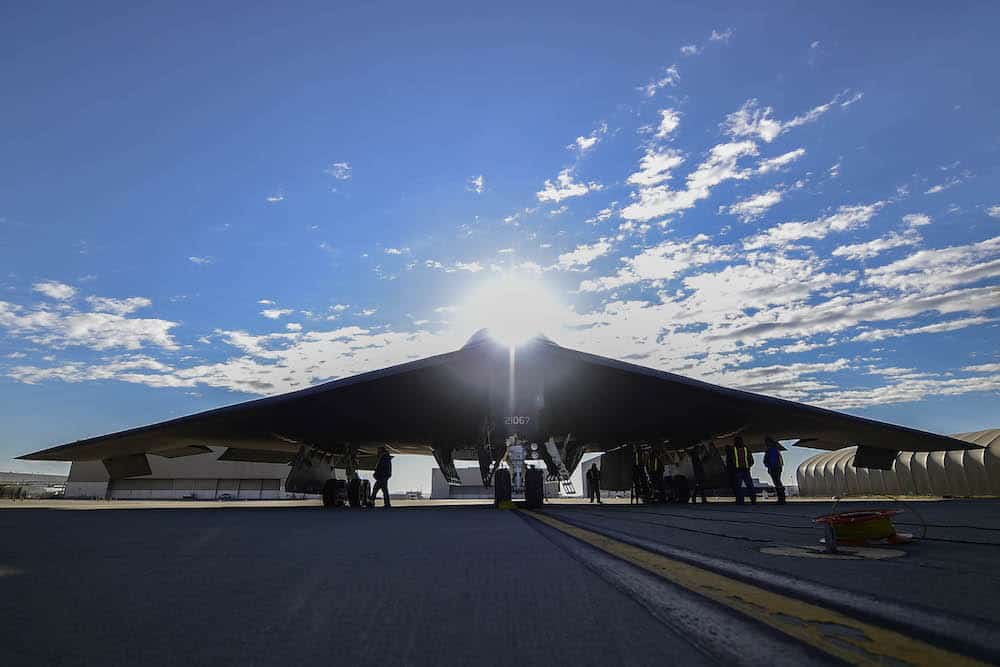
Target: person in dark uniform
point(739, 460)
point(383, 471)
point(774, 462)
point(698, 468)
point(594, 483)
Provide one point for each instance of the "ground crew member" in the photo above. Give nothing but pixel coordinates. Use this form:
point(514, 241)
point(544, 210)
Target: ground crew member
point(774, 463)
point(699, 477)
point(383, 471)
point(637, 482)
point(739, 460)
point(594, 483)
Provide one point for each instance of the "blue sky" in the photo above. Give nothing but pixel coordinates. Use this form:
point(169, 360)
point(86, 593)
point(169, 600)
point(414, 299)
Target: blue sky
point(201, 205)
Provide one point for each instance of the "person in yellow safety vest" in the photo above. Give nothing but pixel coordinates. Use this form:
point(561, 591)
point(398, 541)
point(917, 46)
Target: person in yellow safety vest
point(774, 462)
point(739, 460)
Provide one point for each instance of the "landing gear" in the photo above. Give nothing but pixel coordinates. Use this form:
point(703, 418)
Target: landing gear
point(501, 487)
point(359, 493)
point(534, 488)
point(334, 493)
point(354, 492)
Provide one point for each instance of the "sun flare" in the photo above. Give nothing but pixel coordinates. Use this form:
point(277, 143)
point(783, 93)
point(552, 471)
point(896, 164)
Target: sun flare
point(513, 308)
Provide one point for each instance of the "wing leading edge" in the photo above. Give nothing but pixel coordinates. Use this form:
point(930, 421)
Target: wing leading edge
point(442, 400)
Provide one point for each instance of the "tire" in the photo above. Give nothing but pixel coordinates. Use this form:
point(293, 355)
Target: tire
point(534, 488)
point(366, 493)
point(354, 493)
point(331, 494)
point(501, 487)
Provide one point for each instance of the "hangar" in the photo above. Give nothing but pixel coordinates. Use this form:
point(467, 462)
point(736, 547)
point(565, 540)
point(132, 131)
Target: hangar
point(199, 477)
point(972, 472)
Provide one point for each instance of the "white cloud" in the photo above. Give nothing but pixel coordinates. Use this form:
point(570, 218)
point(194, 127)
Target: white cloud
point(368, 312)
point(265, 302)
point(874, 335)
point(95, 330)
point(274, 199)
point(982, 368)
point(755, 206)
point(661, 262)
point(515, 218)
point(721, 36)
point(845, 218)
point(200, 261)
point(908, 390)
point(583, 144)
point(476, 184)
point(994, 211)
point(814, 45)
point(342, 171)
point(55, 290)
point(941, 187)
point(690, 50)
point(917, 219)
point(670, 77)
point(293, 326)
point(340, 307)
point(505, 251)
point(471, 267)
point(114, 368)
point(856, 97)
point(873, 248)
point(773, 164)
point(583, 255)
point(396, 251)
point(720, 165)
point(118, 306)
point(276, 313)
point(834, 170)
point(940, 269)
point(656, 167)
point(565, 187)
point(753, 121)
point(603, 215)
point(669, 120)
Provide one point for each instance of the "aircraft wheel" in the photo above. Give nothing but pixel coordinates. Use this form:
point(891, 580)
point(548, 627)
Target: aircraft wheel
point(366, 493)
point(330, 493)
point(354, 493)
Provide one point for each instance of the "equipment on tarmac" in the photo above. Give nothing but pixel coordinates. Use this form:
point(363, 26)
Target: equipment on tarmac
point(861, 528)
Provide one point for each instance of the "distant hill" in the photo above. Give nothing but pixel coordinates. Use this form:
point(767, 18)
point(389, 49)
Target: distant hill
point(30, 478)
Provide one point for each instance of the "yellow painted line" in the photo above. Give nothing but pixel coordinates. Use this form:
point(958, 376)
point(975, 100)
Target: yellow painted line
point(851, 640)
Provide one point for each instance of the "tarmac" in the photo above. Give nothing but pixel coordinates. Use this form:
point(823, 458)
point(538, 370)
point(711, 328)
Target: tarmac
point(187, 582)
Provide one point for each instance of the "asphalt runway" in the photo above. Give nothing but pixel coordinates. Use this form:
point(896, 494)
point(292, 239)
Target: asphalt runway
point(171, 583)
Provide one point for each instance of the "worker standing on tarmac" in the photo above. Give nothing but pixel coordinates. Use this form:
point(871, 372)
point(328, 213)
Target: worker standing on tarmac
point(383, 471)
point(774, 463)
point(698, 468)
point(594, 483)
point(739, 460)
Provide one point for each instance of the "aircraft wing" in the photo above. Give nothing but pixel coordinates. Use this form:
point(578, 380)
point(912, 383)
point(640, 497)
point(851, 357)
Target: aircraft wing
point(440, 404)
point(685, 410)
point(400, 406)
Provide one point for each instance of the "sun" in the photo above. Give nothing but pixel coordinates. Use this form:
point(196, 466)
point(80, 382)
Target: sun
point(513, 308)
